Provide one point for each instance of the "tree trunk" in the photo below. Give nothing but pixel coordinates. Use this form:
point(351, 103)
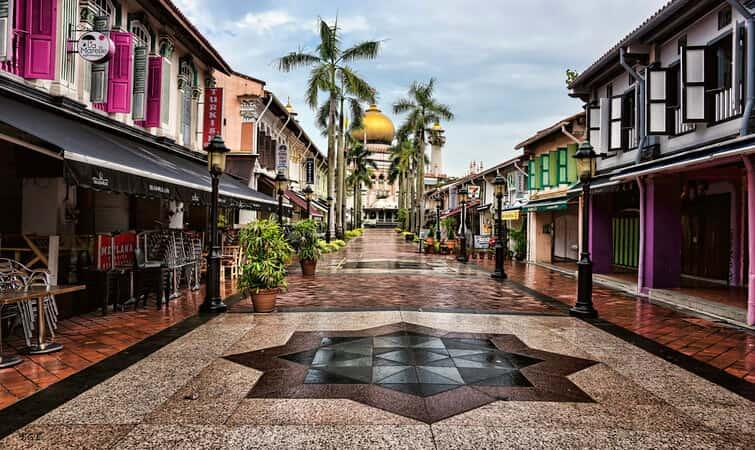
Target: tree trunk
point(332, 164)
point(413, 201)
point(421, 184)
point(354, 215)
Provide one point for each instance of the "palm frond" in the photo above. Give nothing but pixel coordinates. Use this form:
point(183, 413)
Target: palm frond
point(297, 59)
point(366, 50)
point(403, 105)
point(354, 85)
point(328, 47)
point(357, 113)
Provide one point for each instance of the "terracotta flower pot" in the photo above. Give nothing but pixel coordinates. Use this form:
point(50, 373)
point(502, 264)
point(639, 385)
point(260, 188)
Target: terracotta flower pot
point(308, 267)
point(264, 300)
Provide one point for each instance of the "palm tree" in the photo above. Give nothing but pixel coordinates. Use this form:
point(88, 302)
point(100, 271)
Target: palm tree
point(403, 158)
point(362, 167)
point(331, 75)
point(422, 111)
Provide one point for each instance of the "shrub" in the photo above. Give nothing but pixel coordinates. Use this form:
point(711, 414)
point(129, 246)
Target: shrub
point(267, 254)
point(304, 239)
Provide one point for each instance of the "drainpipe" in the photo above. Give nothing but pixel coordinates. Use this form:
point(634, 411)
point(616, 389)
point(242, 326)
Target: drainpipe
point(640, 101)
point(522, 171)
point(256, 125)
point(280, 132)
point(569, 135)
point(641, 261)
point(750, 90)
point(751, 236)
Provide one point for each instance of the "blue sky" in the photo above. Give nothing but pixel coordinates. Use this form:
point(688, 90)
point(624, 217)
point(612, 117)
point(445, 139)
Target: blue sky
point(499, 63)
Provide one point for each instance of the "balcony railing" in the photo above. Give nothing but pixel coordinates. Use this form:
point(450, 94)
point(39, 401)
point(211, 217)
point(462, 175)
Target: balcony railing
point(724, 105)
point(14, 64)
point(679, 126)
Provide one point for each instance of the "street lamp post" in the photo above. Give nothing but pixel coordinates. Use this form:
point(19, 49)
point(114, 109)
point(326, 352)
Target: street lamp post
point(281, 184)
point(216, 152)
point(438, 207)
point(463, 195)
point(308, 194)
point(585, 157)
point(330, 220)
point(500, 247)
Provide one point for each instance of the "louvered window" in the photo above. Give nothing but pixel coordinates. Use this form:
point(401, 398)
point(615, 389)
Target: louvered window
point(166, 93)
point(69, 19)
point(545, 166)
point(98, 90)
point(142, 45)
point(6, 29)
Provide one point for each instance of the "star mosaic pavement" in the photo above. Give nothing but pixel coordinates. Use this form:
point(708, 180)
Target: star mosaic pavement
point(418, 372)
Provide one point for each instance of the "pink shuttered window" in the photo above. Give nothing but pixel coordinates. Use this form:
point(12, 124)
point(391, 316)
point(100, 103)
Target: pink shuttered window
point(154, 91)
point(40, 45)
point(119, 74)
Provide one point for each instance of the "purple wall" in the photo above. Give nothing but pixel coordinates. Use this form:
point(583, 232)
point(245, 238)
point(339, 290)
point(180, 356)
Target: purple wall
point(600, 233)
point(663, 233)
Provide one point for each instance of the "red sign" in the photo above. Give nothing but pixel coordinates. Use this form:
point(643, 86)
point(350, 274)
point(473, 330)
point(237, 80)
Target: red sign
point(213, 114)
point(124, 247)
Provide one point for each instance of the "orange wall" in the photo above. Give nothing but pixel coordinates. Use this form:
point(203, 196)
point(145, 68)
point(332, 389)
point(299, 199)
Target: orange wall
point(235, 86)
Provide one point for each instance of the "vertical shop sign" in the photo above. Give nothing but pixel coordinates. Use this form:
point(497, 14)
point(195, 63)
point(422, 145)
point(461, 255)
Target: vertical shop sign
point(213, 114)
point(310, 171)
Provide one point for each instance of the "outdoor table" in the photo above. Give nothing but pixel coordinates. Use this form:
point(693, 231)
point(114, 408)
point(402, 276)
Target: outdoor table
point(38, 293)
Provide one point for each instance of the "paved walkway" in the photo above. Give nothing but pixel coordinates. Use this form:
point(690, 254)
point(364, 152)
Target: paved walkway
point(386, 348)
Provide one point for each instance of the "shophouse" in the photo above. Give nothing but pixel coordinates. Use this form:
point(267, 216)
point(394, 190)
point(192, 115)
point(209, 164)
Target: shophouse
point(670, 112)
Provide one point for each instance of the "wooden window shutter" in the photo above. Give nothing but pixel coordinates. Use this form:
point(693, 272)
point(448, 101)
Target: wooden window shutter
point(166, 92)
point(6, 29)
point(657, 89)
point(41, 41)
point(545, 163)
point(571, 163)
point(593, 129)
point(553, 168)
point(615, 115)
point(141, 78)
point(693, 84)
point(605, 126)
point(740, 58)
point(563, 173)
point(154, 92)
point(119, 74)
point(98, 89)
point(531, 175)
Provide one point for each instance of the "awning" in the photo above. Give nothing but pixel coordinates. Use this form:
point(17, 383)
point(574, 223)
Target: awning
point(551, 204)
point(99, 160)
point(301, 203)
point(599, 183)
point(718, 153)
point(457, 210)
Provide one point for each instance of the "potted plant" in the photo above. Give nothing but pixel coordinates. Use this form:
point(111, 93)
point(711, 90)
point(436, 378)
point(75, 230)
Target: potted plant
point(304, 239)
point(520, 243)
point(263, 272)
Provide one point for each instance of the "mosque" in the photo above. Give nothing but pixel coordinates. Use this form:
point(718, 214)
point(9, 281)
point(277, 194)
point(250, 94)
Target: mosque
point(381, 200)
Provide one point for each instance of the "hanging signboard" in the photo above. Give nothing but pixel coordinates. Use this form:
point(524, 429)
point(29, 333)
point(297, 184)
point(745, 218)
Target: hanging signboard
point(310, 171)
point(282, 158)
point(481, 241)
point(213, 114)
point(95, 47)
point(510, 215)
point(122, 249)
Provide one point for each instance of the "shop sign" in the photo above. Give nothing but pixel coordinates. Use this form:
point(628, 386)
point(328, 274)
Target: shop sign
point(95, 47)
point(124, 246)
point(481, 241)
point(310, 171)
point(100, 180)
point(282, 158)
point(213, 114)
point(510, 215)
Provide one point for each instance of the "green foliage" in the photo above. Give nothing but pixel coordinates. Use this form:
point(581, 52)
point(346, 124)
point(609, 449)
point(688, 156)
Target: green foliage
point(571, 76)
point(398, 230)
point(305, 240)
point(520, 240)
point(449, 223)
point(351, 234)
point(266, 255)
point(403, 217)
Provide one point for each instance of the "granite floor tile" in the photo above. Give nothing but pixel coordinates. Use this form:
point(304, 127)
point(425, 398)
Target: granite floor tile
point(312, 412)
point(65, 437)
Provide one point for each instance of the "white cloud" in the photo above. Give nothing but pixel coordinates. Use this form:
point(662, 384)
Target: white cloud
point(265, 21)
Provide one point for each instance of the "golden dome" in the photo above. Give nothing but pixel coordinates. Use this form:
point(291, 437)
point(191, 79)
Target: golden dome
point(379, 127)
point(437, 127)
point(290, 108)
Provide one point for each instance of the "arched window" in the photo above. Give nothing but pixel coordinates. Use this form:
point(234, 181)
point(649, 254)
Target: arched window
point(188, 85)
point(142, 45)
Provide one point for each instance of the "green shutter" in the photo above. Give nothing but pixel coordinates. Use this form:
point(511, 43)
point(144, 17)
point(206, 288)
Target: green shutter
point(545, 164)
point(571, 163)
point(531, 176)
point(553, 168)
point(563, 177)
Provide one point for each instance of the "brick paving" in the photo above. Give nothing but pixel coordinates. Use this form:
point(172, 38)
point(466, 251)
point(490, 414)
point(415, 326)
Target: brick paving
point(89, 339)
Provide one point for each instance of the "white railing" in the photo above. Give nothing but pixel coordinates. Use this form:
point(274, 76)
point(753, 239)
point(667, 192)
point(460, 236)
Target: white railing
point(679, 126)
point(632, 137)
point(724, 104)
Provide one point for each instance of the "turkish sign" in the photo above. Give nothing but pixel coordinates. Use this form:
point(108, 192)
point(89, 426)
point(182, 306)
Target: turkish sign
point(310, 171)
point(281, 158)
point(213, 114)
point(95, 47)
point(123, 248)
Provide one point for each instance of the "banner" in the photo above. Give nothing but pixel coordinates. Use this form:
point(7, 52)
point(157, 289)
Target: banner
point(281, 160)
point(310, 171)
point(213, 114)
point(125, 244)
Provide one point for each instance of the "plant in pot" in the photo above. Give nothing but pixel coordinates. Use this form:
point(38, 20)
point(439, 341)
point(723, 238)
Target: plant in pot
point(520, 242)
point(304, 239)
point(263, 272)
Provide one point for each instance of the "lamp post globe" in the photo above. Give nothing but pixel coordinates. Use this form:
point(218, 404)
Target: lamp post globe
point(281, 185)
point(585, 157)
point(216, 153)
point(308, 195)
point(500, 248)
point(463, 196)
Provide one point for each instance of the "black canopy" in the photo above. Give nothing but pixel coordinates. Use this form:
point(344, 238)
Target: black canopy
point(98, 159)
